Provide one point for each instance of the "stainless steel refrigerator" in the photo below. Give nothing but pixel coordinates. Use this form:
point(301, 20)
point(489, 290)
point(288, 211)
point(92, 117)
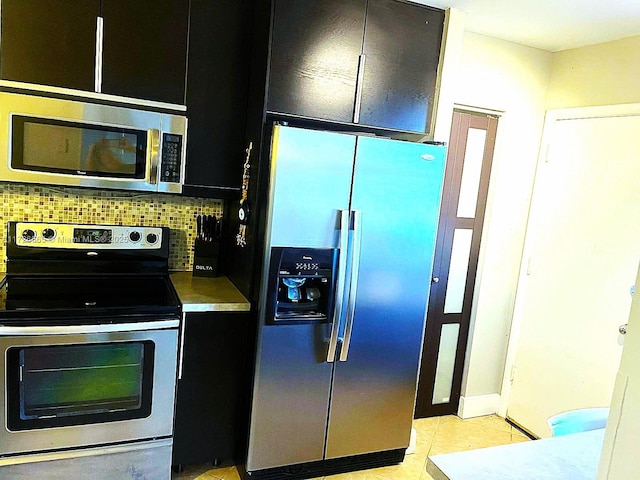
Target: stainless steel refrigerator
point(351, 227)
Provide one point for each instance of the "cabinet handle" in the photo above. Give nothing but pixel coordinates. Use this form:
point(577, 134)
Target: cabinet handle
point(183, 327)
point(356, 109)
point(99, 49)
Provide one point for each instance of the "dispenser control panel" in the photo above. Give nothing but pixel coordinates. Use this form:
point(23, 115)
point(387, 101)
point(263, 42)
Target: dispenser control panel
point(301, 285)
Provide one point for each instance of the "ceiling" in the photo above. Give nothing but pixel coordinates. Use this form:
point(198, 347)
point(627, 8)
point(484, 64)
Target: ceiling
point(551, 25)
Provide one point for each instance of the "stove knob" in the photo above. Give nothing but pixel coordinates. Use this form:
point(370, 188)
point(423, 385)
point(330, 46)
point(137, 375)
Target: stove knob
point(48, 233)
point(28, 235)
point(152, 238)
point(134, 236)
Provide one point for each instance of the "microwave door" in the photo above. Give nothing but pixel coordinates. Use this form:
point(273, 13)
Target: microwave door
point(78, 148)
point(50, 147)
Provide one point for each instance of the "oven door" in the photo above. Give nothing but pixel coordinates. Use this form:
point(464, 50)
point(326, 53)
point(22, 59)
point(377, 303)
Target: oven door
point(75, 386)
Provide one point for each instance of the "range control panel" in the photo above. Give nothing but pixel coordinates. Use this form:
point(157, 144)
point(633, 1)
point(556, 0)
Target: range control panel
point(65, 235)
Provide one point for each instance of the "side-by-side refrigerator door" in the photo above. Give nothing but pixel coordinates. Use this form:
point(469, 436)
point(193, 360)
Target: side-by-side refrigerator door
point(395, 202)
point(310, 187)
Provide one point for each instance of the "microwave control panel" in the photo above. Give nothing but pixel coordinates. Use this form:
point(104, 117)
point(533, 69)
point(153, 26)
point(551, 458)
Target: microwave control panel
point(171, 163)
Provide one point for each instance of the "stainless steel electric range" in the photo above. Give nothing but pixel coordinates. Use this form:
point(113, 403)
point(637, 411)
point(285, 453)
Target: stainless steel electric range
point(89, 336)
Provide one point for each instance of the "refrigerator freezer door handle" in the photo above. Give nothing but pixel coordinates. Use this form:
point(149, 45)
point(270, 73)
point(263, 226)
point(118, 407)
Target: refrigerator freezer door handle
point(353, 284)
point(342, 273)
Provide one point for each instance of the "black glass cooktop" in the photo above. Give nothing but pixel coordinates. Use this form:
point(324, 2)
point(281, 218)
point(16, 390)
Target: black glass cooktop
point(106, 299)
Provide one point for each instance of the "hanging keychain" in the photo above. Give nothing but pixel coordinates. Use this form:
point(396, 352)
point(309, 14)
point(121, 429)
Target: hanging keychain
point(243, 211)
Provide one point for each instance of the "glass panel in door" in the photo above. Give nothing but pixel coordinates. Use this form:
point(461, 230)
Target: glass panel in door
point(446, 363)
point(458, 268)
point(47, 145)
point(79, 384)
point(471, 173)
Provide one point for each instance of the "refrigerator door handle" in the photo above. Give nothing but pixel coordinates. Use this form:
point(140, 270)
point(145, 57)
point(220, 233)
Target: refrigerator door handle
point(340, 285)
point(353, 284)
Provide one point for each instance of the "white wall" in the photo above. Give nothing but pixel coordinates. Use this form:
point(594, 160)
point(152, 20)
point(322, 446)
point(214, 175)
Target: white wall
point(520, 83)
point(513, 80)
point(603, 74)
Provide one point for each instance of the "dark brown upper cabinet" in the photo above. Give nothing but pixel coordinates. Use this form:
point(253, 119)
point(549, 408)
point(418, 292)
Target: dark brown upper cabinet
point(401, 51)
point(129, 48)
point(49, 42)
point(217, 88)
point(145, 49)
point(315, 49)
point(367, 62)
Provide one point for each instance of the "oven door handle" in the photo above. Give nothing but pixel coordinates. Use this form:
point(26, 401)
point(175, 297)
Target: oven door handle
point(82, 329)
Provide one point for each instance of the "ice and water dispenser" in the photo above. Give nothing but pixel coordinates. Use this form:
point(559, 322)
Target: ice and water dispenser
point(301, 285)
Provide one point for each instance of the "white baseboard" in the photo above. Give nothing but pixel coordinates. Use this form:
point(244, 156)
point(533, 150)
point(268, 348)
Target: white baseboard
point(478, 405)
point(412, 442)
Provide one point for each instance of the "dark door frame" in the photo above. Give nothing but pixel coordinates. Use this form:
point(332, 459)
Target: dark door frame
point(449, 222)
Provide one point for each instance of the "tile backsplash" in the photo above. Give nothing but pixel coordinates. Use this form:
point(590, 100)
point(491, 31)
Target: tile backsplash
point(35, 203)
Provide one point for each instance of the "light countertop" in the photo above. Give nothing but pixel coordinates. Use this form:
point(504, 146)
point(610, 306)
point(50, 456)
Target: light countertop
point(574, 457)
point(204, 294)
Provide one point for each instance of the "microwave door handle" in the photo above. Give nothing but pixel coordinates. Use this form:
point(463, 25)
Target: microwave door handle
point(153, 154)
point(340, 284)
point(353, 284)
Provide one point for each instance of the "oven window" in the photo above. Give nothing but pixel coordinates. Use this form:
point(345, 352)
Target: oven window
point(59, 146)
point(78, 384)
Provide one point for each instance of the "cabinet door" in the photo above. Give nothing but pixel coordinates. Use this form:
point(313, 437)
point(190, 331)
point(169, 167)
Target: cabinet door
point(315, 50)
point(145, 49)
point(402, 50)
point(210, 393)
point(217, 83)
point(49, 42)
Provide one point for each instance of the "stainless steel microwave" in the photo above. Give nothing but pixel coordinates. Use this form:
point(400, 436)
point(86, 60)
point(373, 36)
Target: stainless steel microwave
point(63, 142)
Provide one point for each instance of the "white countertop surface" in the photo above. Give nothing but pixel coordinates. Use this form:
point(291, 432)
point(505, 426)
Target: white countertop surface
point(570, 457)
point(202, 294)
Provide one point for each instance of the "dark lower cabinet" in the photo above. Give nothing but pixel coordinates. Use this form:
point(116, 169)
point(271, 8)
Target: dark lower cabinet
point(211, 392)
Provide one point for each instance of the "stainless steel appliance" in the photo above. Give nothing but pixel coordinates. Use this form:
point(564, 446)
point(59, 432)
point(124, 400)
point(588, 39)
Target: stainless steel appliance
point(335, 390)
point(63, 142)
point(89, 337)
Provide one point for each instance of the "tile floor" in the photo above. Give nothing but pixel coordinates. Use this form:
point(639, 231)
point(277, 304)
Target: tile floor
point(434, 436)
